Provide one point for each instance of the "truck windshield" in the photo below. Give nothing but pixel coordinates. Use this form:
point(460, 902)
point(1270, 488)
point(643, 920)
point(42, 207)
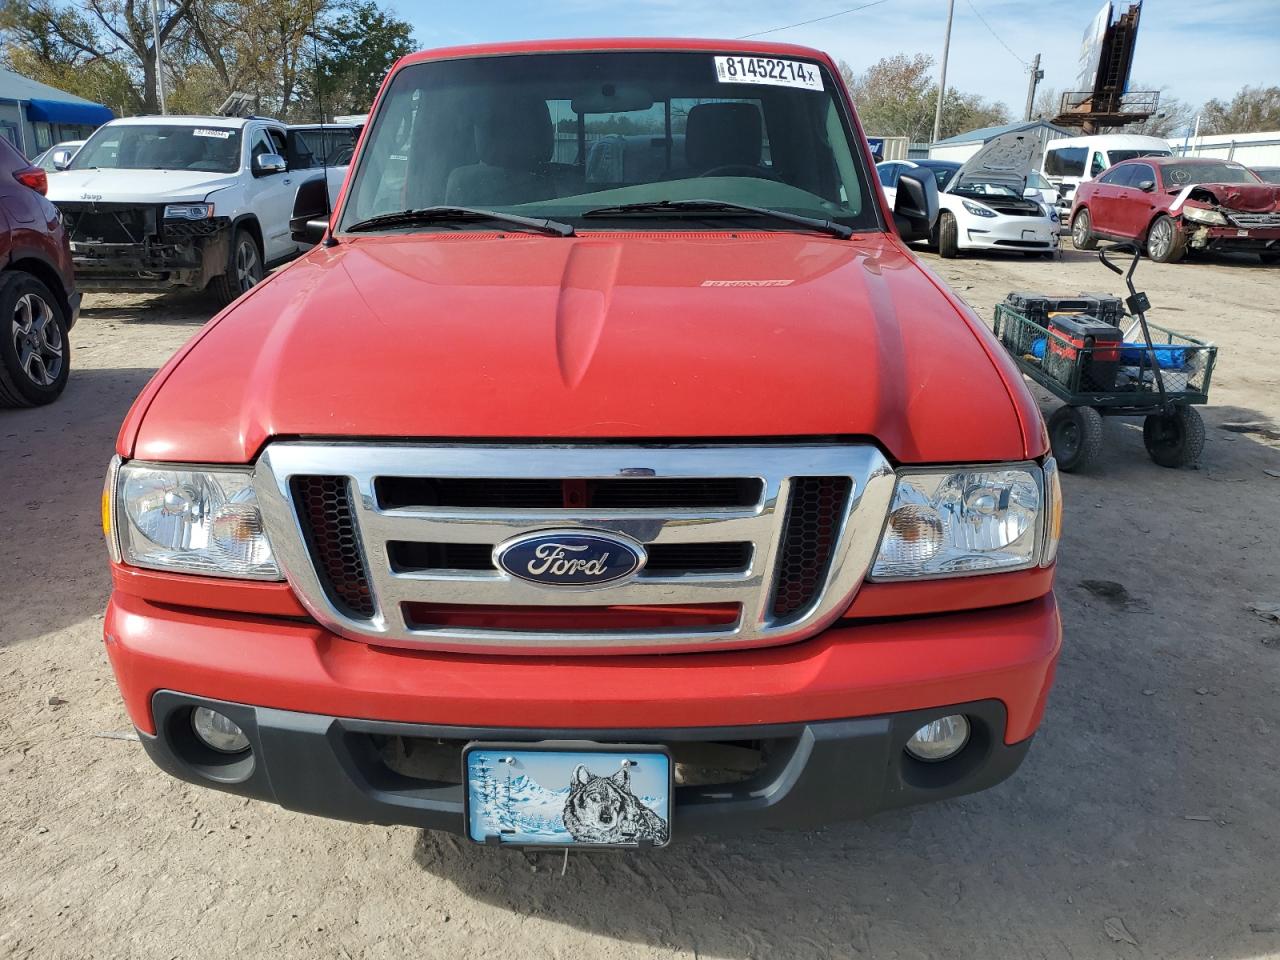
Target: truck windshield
point(131, 146)
point(556, 135)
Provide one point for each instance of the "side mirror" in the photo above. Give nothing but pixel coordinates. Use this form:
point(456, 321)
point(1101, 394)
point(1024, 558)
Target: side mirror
point(915, 208)
point(61, 159)
point(266, 164)
point(1146, 186)
point(310, 220)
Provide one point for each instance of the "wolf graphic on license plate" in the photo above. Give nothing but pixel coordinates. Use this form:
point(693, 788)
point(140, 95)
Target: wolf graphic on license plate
point(564, 798)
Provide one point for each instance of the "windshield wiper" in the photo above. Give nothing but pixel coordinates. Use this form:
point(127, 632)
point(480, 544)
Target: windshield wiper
point(445, 214)
point(721, 206)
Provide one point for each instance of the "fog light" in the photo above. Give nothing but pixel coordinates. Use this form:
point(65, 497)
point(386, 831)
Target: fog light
point(218, 731)
point(939, 739)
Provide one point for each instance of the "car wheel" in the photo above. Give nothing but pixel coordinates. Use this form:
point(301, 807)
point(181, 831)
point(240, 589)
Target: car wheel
point(35, 355)
point(245, 269)
point(1175, 439)
point(1075, 434)
point(1269, 258)
point(1082, 237)
point(1166, 243)
point(948, 236)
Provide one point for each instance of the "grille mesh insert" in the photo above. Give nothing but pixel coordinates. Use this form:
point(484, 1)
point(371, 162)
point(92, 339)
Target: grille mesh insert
point(813, 521)
point(328, 525)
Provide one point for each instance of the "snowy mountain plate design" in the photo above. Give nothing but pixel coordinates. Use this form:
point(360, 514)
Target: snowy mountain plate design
point(613, 796)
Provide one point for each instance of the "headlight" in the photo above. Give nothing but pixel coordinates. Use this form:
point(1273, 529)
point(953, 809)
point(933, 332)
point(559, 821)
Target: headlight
point(189, 520)
point(978, 210)
point(1200, 215)
point(968, 521)
point(188, 211)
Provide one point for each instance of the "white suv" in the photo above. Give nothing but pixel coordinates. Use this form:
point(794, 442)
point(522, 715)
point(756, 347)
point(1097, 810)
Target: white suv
point(153, 203)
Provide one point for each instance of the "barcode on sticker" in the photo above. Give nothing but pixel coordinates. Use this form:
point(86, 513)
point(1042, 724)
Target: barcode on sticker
point(769, 70)
point(208, 132)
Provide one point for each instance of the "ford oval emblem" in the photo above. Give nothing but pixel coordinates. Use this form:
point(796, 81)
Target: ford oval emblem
point(570, 558)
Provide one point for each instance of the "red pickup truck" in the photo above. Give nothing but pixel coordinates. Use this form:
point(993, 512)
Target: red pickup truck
point(611, 471)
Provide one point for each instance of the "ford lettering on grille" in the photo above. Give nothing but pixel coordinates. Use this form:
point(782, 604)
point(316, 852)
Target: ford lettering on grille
point(570, 558)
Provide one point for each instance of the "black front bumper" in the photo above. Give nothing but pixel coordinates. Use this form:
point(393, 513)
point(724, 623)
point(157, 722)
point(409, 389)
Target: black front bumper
point(816, 773)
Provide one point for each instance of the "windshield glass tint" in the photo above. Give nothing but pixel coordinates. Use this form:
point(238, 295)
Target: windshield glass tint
point(161, 147)
point(1182, 174)
point(558, 134)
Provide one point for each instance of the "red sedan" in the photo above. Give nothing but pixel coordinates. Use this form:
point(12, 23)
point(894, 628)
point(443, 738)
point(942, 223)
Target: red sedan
point(1174, 205)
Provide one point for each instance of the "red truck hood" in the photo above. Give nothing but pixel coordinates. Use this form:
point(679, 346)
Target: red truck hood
point(604, 336)
point(1245, 197)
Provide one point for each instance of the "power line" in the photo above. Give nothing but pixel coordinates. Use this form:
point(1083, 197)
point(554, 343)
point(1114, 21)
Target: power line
point(996, 35)
point(805, 23)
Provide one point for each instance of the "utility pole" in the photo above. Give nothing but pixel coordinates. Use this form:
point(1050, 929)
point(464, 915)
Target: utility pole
point(155, 39)
point(1036, 76)
point(942, 81)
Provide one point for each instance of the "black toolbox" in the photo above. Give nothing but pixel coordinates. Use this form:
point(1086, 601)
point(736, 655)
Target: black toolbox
point(1107, 308)
point(1085, 347)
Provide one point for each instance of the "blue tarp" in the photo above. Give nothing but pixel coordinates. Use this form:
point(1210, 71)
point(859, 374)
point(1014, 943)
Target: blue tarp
point(60, 111)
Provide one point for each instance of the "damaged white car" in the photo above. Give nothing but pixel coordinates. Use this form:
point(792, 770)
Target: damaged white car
point(987, 203)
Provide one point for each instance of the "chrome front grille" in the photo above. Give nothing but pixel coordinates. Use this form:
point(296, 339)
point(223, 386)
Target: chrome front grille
point(1255, 221)
point(748, 545)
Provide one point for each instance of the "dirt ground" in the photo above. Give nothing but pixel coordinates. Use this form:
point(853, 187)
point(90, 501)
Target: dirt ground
point(1145, 823)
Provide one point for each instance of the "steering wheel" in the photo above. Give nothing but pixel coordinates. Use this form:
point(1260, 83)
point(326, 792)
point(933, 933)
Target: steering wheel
point(738, 170)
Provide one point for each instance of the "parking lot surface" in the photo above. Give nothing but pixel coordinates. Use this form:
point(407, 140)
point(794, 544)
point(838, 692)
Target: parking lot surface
point(1145, 823)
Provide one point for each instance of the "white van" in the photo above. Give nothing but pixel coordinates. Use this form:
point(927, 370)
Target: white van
point(1069, 161)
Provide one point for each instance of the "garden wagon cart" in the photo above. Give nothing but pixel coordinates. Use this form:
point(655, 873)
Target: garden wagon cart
point(1159, 377)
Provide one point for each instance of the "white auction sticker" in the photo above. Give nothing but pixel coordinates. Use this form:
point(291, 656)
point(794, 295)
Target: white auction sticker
point(208, 132)
point(770, 71)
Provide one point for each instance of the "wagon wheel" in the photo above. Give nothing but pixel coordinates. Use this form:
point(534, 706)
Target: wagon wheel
point(1075, 433)
point(1174, 439)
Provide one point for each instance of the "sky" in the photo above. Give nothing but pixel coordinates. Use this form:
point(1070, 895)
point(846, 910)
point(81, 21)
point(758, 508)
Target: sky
point(1194, 49)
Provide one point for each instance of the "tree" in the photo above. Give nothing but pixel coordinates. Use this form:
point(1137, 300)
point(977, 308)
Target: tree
point(896, 97)
point(1252, 109)
point(968, 111)
point(59, 47)
point(274, 50)
point(1046, 104)
point(116, 30)
point(1173, 118)
point(358, 48)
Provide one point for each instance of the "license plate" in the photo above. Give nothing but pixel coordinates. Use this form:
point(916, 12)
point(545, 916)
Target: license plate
point(1242, 233)
point(566, 795)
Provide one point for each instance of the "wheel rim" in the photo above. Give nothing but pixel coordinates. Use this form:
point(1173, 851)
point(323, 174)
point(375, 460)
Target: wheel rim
point(1161, 239)
point(1167, 433)
point(248, 267)
point(1080, 230)
point(37, 340)
point(1069, 439)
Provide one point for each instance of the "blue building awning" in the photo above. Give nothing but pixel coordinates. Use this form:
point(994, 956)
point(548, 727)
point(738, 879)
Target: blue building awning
point(60, 111)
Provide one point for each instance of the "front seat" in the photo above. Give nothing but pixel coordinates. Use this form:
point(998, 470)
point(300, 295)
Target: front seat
point(722, 135)
point(514, 141)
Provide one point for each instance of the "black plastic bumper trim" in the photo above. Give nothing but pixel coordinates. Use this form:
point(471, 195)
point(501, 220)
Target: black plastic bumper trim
point(824, 771)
